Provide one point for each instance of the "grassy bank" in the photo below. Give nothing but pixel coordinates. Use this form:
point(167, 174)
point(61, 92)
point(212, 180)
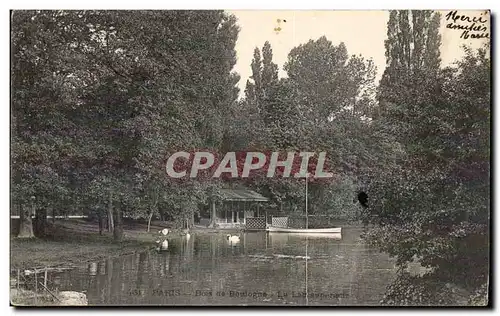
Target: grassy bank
point(76, 242)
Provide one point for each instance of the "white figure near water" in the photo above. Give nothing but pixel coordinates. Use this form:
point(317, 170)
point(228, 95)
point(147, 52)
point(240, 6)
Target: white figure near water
point(162, 245)
point(164, 231)
point(186, 233)
point(233, 239)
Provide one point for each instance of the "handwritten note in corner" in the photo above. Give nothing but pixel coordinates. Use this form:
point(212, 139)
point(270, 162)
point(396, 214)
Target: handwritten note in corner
point(474, 25)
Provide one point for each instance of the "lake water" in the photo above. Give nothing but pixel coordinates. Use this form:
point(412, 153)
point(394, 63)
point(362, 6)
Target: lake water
point(262, 269)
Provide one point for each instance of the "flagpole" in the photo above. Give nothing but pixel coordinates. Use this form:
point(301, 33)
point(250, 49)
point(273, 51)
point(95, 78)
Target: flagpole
point(307, 292)
point(307, 216)
point(307, 241)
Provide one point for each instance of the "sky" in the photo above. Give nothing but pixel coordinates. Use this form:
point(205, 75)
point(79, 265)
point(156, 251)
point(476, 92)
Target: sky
point(363, 32)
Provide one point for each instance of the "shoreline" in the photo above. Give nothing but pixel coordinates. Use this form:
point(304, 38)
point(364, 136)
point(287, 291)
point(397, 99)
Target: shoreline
point(76, 242)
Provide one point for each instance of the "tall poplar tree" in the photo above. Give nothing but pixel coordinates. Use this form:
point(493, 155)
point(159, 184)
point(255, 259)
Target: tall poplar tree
point(412, 56)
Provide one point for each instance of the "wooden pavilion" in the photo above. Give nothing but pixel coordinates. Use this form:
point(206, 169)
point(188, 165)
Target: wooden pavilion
point(239, 208)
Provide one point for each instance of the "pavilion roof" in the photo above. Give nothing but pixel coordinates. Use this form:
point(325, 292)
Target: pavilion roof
point(242, 195)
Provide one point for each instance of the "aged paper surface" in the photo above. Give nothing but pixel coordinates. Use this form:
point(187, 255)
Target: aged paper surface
point(290, 158)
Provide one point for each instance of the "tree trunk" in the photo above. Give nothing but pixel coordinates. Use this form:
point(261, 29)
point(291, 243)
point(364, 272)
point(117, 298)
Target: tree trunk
point(118, 228)
point(111, 224)
point(213, 217)
point(153, 207)
point(25, 224)
point(149, 219)
point(101, 221)
point(41, 223)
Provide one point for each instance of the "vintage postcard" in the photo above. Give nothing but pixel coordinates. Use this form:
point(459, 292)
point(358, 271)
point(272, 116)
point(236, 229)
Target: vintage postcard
point(242, 158)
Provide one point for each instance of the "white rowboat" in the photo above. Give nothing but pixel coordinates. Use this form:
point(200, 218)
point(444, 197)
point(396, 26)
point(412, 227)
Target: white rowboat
point(336, 230)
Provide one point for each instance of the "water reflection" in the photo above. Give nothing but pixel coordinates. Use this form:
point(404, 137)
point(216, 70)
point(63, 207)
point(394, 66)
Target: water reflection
point(261, 269)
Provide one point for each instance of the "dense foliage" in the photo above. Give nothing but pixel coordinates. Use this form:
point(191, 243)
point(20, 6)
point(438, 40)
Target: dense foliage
point(433, 207)
point(100, 99)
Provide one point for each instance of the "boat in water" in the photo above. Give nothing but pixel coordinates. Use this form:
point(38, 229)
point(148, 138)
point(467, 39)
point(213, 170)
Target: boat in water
point(335, 230)
point(309, 231)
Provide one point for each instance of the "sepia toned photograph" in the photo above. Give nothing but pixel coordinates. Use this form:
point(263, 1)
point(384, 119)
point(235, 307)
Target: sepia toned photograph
point(250, 158)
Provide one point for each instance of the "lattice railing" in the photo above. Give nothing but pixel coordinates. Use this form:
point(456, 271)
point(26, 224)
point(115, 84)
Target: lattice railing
point(279, 222)
point(255, 223)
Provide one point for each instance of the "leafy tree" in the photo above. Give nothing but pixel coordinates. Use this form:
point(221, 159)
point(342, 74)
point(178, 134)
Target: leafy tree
point(434, 207)
point(432, 204)
point(100, 99)
point(326, 94)
point(329, 82)
point(40, 91)
point(412, 54)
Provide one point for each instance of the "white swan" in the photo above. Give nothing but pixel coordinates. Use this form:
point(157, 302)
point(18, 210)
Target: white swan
point(186, 233)
point(233, 239)
point(163, 245)
point(164, 231)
